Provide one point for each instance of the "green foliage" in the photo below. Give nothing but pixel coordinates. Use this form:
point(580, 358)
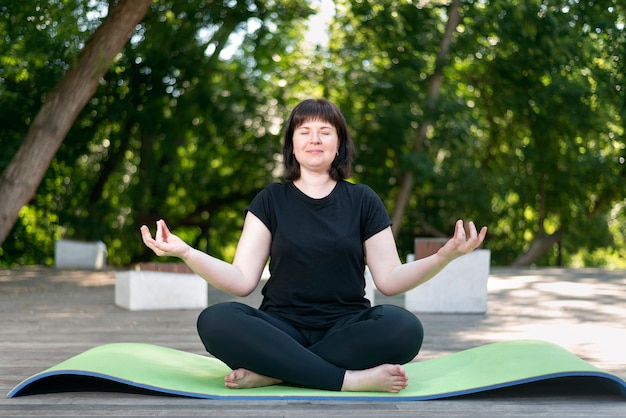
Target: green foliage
point(527, 135)
point(550, 144)
point(34, 47)
point(176, 130)
point(527, 132)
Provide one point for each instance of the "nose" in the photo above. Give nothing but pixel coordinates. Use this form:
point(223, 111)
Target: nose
point(316, 137)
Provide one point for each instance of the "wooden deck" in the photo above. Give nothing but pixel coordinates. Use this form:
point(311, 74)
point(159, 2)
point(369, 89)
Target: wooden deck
point(49, 315)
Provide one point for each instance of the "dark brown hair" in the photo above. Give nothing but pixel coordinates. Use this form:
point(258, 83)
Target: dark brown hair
point(323, 110)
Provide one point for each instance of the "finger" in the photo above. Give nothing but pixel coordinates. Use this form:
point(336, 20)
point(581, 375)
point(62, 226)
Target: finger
point(482, 235)
point(145, 234)
point(477, 238)
point(459, 229)
point(166, 230)
point(159, 232)
point(473, 234)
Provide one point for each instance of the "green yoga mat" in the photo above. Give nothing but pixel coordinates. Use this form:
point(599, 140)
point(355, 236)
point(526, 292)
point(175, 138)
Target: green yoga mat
point(152, 369)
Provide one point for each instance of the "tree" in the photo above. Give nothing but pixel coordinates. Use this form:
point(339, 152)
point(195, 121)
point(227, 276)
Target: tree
point(391, 57)
point(21, 177)
point(180, 130)
point(435, 79)
point(524, 133)
point(184, 126)
point(548, 117)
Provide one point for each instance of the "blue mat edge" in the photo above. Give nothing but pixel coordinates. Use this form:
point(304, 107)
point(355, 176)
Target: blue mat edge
point(388, 398)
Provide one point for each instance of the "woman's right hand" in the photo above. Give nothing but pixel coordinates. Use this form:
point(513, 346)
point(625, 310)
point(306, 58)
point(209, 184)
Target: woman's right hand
point(164, 243)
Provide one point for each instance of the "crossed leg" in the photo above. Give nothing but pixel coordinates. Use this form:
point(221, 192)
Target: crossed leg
point(271, 351)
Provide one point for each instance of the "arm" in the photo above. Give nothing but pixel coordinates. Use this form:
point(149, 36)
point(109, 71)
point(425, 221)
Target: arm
point(391, 277)
point(239, 278)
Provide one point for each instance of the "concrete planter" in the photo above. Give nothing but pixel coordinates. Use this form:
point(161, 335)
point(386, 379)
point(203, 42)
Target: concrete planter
point(160, 286)
point(461, 287)
point(80, 254)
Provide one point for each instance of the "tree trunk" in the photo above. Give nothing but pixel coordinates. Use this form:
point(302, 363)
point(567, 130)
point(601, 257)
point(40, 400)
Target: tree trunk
point(434, 85)
point(22, 176)
point(539, 246)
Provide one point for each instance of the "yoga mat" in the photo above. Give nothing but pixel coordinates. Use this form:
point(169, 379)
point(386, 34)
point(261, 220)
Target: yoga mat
point(151, 369)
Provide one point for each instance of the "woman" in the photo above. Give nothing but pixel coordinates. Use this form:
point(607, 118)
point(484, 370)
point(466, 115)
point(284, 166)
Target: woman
point(314, 328)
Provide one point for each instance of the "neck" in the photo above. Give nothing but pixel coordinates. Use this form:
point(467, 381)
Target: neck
point(316, 187)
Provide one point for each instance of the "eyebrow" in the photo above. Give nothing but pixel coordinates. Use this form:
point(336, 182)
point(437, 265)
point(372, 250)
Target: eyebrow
point(328, 126)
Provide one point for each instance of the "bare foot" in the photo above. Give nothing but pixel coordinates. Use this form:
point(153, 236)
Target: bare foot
point(384, 378)
point(246, 379)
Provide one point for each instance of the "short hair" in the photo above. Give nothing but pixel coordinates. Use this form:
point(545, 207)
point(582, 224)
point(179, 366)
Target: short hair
point(326, 111)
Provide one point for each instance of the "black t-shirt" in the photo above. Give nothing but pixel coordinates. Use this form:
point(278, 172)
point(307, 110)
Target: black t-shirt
point(317, 259)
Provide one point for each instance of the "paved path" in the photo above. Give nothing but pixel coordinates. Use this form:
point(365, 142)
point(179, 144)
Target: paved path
point(49, 315)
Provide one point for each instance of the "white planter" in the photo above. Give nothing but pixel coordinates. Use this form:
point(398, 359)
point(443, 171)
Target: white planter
point(461, 287)
point(138, 290)
point(79, 254)
point(370, 289)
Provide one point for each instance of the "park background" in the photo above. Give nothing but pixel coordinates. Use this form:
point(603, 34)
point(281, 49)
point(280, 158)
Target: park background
point(509, 113)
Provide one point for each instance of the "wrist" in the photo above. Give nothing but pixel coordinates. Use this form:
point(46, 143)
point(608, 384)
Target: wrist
point(444, 257)
point(186, 255)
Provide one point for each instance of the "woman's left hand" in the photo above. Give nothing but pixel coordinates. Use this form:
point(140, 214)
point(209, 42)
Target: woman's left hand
point(463, 241)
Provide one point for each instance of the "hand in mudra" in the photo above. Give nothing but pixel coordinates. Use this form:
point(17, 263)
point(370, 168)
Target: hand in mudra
point(164, 243)
point(463, 242)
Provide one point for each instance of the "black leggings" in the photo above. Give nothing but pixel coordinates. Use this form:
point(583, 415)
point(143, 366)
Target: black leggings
point(244, 337)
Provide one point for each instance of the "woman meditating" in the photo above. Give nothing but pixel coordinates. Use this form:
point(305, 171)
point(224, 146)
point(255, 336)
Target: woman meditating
point(314, 328)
